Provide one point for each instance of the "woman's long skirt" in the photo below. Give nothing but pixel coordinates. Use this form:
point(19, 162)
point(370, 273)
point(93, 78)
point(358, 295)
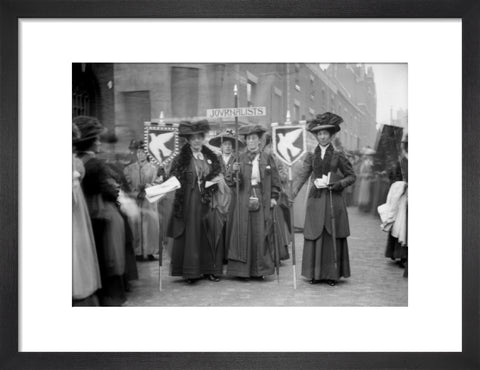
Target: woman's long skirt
point(86, 272)
point(259, 261)
point(192, 255)
point(394, 249)
point(109, 232)
point(147, 230)
point(318, 259)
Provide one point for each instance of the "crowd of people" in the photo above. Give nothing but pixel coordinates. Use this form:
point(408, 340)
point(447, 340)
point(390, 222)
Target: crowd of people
point(231, 214)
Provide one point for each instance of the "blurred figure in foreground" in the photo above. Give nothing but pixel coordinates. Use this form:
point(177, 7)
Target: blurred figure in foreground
point(101, 192)
point(395, 212)
point(86, 273)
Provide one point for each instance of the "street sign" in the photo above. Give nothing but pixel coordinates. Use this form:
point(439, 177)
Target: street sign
point(161, 143)
point(289, 142)
point(236, 112)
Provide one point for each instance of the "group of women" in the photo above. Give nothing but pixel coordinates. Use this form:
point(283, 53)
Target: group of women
point(210, 224)
point(245, 232)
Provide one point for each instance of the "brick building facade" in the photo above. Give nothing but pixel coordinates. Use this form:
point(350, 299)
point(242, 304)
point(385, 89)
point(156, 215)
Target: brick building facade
point(124, 96)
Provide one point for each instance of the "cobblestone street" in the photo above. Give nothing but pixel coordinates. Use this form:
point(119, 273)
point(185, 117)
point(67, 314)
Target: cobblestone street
point(375, 280)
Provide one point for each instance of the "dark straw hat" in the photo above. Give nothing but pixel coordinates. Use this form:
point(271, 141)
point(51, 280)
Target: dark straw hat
point(226, 136)
point(252, 129)
point(187, 128)
point(89, 127)
point(326, 121)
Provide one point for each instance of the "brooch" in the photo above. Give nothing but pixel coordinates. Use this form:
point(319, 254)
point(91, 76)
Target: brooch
point(209, 161)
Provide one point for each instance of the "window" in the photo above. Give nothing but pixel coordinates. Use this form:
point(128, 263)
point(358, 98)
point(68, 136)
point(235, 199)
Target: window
point(251, 87)
point(81, 104)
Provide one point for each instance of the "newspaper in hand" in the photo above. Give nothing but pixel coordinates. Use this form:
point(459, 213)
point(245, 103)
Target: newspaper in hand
point(213, 181)
point(322, 182)
point(156, 192)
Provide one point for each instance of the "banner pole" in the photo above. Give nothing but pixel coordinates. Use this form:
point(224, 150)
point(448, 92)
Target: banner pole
point(290, 206)
point(237, 182)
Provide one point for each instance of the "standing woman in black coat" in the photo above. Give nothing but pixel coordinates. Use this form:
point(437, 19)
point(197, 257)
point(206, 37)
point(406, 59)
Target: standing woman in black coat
point(320, 261)
point(192, 255)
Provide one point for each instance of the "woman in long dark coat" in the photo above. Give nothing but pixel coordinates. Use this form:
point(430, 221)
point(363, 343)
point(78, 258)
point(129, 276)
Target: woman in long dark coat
point(320, 261)
point(227, 141)
point(192, 255)
point(251, 250)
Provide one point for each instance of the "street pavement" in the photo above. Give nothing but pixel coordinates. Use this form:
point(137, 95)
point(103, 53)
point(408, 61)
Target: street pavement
point(375, 280)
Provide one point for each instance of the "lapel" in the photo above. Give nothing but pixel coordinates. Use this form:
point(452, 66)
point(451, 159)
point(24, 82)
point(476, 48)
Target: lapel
point(262, 164)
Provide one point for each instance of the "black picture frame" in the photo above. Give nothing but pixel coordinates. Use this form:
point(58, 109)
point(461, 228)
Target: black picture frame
point(12, 10)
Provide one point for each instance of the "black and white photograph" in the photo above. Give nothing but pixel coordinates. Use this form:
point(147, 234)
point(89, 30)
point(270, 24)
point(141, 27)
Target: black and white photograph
point(241, 195)
point(240, 184)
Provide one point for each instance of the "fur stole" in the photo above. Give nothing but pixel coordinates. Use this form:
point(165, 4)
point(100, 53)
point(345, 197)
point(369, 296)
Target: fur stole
point(179, 168)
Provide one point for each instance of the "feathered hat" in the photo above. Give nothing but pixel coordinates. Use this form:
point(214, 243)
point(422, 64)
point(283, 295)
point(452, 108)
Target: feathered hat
point(325, 121)
point(187, 128)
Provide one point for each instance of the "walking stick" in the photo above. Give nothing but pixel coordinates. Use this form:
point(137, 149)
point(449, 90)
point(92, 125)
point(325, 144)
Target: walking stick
point(292, 223)
point(160, 256)
point(334, 230)
point(276, 252)
point(237, 182)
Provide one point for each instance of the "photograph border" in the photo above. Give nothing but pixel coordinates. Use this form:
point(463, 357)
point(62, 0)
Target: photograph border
point(10, 13)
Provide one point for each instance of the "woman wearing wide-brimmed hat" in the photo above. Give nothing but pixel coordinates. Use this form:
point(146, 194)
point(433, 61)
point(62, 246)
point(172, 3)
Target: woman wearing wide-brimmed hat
point(226, 141)
point(321, 262)
point(251, 249)
point(193, 256)
point(101, 192)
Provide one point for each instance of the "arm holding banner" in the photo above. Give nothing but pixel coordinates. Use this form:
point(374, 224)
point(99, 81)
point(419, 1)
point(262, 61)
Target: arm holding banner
point(303, 174)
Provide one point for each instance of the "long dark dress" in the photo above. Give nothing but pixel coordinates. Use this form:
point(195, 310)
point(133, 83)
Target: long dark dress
point(318, 254)
point(192, 254)
point(251, 254)
point(99, 187)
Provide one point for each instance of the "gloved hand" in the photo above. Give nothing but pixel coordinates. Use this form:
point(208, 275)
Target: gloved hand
point(336, 186)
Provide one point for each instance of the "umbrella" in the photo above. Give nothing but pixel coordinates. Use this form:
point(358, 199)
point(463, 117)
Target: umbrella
point(213, 224)
point(216, 216)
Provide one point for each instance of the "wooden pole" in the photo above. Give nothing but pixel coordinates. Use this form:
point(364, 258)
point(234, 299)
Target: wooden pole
point(276, 252)
point(292, 221)
point(237, 183)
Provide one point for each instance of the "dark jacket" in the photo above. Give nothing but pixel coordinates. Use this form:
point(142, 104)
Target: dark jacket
point(184, 170)
point(318, 213)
